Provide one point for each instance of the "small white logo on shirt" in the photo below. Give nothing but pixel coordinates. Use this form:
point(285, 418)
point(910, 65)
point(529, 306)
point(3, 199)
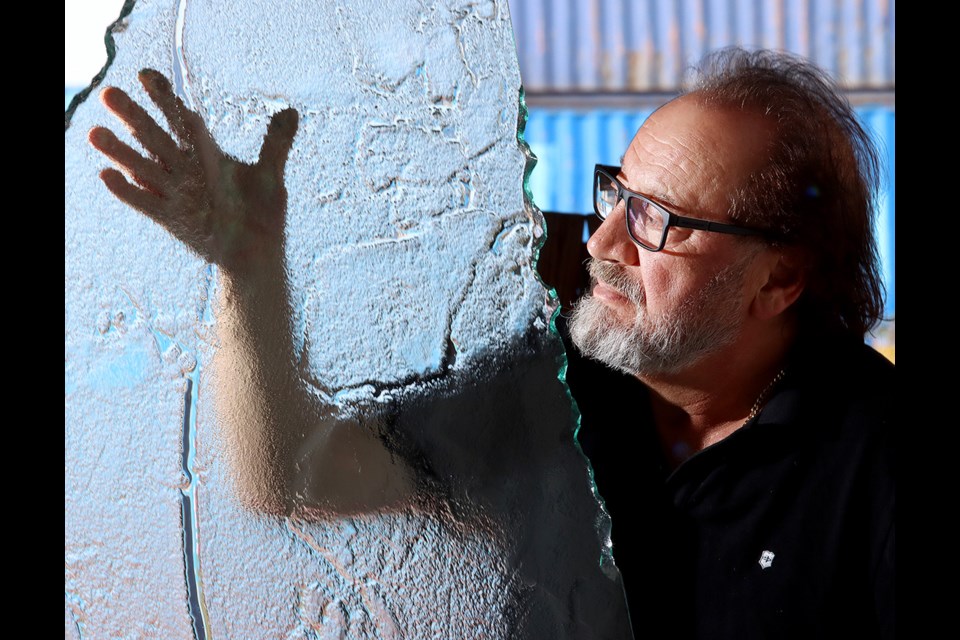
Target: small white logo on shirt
point(766, 559)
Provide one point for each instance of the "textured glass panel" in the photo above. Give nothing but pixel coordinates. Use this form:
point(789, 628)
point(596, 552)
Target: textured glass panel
point(372, 440)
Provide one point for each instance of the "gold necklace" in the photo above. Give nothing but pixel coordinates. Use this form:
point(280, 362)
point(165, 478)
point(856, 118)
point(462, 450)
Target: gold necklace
point(761, 399)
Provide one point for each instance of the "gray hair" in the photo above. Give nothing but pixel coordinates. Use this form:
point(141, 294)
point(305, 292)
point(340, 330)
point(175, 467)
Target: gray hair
point(817, 190)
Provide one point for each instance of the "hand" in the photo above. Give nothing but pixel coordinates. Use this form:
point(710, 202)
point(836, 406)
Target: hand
point(227, 211)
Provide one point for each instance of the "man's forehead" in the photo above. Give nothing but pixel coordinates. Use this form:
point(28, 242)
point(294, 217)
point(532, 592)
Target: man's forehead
point(694, 157)
point(652, 115)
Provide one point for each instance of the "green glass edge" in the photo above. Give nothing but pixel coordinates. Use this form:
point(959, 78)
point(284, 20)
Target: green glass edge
point(97, 79)
point(604, 524)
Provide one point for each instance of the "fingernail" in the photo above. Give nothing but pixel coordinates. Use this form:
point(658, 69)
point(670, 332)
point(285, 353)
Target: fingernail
point(112, 96)
point(287, 118)
point(98, 135)
point(155, 78)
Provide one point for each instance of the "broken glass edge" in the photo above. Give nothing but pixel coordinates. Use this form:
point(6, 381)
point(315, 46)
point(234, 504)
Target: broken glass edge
point(605, 523)
point(81, 96)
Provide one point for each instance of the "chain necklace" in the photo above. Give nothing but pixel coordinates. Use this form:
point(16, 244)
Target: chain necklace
point(762, 398)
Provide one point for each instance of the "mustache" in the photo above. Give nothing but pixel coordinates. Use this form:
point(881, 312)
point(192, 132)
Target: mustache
point(615, 276)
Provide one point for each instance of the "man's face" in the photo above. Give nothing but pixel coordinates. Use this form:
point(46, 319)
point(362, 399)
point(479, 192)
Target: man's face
point(709, 319)
point(659, 313)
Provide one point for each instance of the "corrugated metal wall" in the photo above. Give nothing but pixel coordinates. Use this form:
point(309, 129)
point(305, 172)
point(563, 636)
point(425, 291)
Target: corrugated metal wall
point(645, 45)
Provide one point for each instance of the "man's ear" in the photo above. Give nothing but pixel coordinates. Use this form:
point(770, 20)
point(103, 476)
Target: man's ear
point(786, 278)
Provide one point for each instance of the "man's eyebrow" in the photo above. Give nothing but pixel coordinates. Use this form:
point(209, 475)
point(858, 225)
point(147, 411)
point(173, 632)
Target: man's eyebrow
point(621, 158)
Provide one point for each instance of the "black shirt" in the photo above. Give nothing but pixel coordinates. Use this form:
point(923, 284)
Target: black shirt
point(784, 529)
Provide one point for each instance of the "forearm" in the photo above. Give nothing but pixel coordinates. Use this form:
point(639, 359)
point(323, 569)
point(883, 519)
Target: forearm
point(262, 405)
point(288, 452)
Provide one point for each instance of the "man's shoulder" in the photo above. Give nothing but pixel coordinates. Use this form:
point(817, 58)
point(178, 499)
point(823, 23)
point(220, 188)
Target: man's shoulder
point(862, 382)
point(854, 363)
point(838, 401)
point(871, 368)
point(841, 376)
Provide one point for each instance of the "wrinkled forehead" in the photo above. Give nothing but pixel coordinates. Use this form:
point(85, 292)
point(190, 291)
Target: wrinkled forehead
point(694, 156)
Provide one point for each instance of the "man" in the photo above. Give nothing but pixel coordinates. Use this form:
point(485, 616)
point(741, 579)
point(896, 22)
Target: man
point(745, 456)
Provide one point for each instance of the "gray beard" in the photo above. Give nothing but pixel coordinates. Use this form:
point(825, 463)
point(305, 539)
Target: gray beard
point(706, 322)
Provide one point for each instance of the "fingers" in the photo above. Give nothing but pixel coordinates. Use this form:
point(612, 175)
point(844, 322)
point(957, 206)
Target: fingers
point(187, 125)
point(141, 200)
point(146, 173)
point(151, 205)
point(148, 133)
point(280, 133)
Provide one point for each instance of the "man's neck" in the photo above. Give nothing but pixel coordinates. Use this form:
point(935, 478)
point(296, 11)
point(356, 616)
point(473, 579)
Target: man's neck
point(707, 402)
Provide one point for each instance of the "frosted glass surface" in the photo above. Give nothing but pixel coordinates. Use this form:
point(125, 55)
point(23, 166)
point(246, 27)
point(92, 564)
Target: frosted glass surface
point(415, 314)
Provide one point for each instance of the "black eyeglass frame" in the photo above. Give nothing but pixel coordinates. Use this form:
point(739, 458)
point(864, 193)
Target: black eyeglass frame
point(670, 219)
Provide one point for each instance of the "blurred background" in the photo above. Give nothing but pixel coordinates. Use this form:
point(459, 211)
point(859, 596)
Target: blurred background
point(593, 70)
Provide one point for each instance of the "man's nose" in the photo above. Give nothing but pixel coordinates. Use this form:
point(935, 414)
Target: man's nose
point(611, 242)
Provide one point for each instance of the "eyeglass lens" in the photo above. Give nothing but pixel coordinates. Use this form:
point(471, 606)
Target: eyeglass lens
point(644, 219)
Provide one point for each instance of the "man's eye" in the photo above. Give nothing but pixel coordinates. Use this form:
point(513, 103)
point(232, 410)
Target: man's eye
point(645, 214)
point(609, 197)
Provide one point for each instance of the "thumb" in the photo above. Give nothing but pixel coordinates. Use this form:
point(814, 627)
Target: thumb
point(280, 133)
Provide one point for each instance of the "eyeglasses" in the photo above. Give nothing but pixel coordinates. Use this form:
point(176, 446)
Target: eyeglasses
point(647, 221)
